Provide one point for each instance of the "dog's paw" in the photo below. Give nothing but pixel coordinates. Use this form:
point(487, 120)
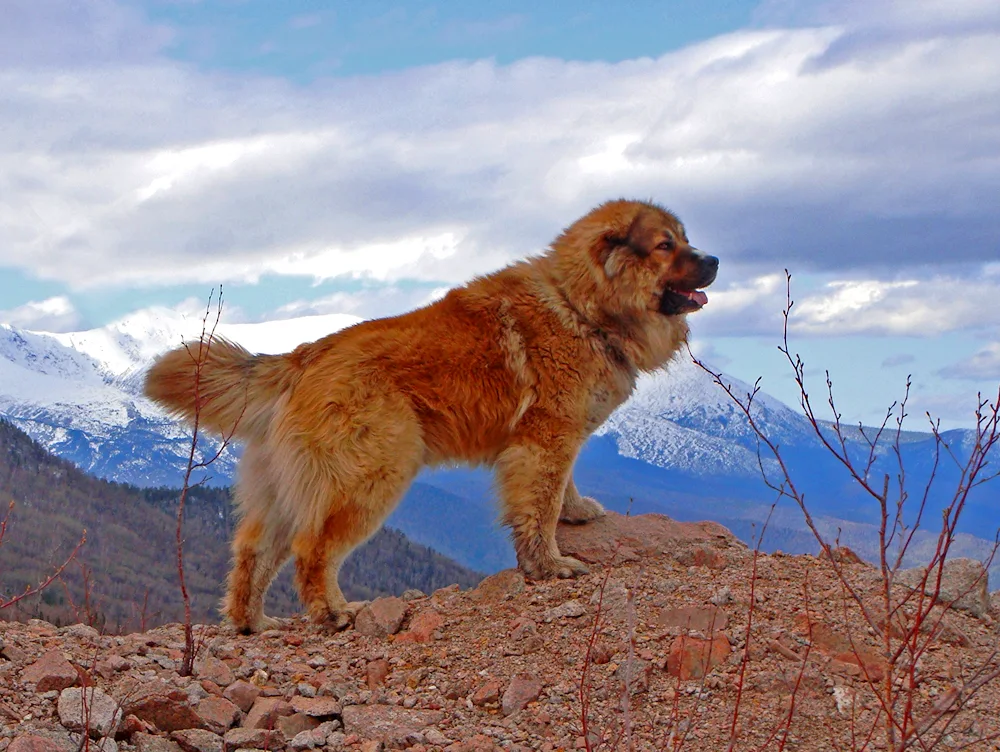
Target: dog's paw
point(339, 619)
point(582, 509)
point(556, 567)
point(268, 622)
point(261, 624)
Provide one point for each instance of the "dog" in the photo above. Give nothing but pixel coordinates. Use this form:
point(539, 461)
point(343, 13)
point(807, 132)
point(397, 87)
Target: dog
point(513, 370)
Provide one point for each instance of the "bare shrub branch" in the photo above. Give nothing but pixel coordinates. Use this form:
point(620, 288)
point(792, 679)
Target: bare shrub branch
point(198, 351)
point(905, 621)
point(32, 590)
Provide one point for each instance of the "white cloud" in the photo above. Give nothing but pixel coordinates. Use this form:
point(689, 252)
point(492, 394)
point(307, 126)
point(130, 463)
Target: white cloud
point(61, 32)
point(771, 148)
point(924, 307)
point(920, 308)
point(373, 302)
point(752, 307)
point(984, 364)
point(55, 314)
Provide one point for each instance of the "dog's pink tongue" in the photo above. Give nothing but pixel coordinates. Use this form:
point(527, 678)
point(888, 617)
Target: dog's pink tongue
point(697, 296)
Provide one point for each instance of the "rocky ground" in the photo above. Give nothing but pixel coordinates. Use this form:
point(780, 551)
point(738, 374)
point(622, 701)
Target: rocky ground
point(668, 665)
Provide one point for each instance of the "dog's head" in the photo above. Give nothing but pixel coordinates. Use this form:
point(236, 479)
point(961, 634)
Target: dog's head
point(639, 259)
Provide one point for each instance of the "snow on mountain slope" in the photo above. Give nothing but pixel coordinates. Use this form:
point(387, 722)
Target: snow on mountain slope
point(79, 394)
point(679, 418)
point(135, 340)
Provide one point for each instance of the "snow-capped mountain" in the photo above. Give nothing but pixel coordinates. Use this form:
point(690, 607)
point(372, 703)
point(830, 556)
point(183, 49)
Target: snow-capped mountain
point(79, 394)
point(681, 419)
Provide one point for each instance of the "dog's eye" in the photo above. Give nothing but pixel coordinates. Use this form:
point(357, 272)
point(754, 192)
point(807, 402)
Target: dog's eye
point(666, 245)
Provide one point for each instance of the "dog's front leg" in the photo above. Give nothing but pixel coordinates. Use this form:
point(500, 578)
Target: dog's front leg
point(533, 480)
point(577, 509)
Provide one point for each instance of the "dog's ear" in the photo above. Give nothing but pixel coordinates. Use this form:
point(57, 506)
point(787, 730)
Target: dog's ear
point(612, 246)
point(644, 233)
point(640, 238)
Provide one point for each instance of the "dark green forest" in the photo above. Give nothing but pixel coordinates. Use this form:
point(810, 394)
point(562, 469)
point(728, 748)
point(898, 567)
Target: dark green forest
point(125, 576)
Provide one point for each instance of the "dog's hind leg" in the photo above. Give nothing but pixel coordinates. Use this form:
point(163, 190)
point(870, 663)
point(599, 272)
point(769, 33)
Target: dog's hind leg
point(351, 486)
point(533, 478)
point(353, 519)
point(319, 557)
point(261, 545)
point(259, 551)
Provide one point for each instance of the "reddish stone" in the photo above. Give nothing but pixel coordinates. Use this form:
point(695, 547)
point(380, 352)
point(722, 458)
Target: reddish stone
point(217, 714)
point(168, 710)
point(523, 688)
point(242, 694)
point(144, 742)
point(522, 627)
point(265, 712)
point(692, 657)
point(638, 675)
point(381, 617)
point(388, 722)
point(600, 653)
point(422, 626)
point(376, 672)
point(51, 672)
point(630, 538)
point(131, 726)
point(211, 687)
point(318, 707)
point(705, 619)
point(253, 738)
point(869, 665)
point(703, 556)
point(477, 743)
point(32, 743)
point(496, 587)
point(211, 668)
point(457, 689)
point(843, 555)
point(290, 725)
point(89, 708)
point(962, 584)
point(823, 637)
point(198, 740)
point(487, 694)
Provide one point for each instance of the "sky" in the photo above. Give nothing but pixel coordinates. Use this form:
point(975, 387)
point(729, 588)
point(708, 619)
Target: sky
point(344, 157)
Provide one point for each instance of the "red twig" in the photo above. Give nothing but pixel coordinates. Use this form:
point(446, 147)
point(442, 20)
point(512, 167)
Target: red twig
point(899, 654)
point(199, 354)
point(52, 577)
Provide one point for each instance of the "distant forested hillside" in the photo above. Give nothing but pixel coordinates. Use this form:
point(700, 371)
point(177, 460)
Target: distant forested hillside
point(125, 575)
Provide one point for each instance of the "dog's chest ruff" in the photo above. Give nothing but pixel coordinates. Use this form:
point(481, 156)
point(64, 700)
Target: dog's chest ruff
point(607, 396)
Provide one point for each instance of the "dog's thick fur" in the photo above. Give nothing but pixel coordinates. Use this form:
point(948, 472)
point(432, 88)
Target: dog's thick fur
point(514, 370)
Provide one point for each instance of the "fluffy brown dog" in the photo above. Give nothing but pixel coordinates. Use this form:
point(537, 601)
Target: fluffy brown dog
point(514, 370)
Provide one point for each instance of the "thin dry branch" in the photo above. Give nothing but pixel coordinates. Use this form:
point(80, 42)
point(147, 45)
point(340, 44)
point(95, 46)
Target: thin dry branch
point(896, 689)
point(199, 355)
point(50, 578)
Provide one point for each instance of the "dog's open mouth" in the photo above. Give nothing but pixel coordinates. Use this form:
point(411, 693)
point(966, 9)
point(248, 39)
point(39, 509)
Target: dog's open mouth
point(673, 302)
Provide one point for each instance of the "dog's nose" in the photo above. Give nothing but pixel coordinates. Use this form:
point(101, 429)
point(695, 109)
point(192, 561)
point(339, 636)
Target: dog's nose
point(709, 268)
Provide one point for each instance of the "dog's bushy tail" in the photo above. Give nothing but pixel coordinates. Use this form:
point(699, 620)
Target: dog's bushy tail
point(228, 389)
